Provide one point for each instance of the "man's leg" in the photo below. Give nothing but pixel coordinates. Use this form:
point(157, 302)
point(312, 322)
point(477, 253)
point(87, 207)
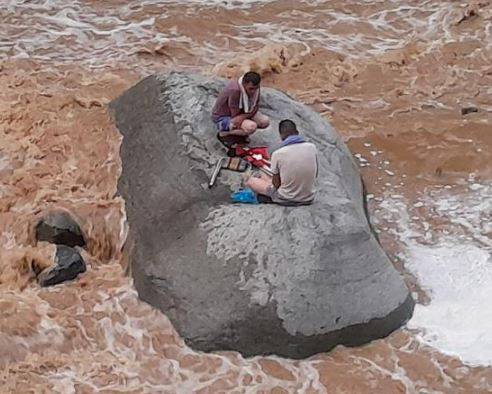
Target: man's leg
point(261, 185)
point(262, 121)
point(248, 127)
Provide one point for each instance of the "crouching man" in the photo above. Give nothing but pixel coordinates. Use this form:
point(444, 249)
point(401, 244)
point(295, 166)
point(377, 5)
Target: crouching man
point(295, 169)
point(236, 110)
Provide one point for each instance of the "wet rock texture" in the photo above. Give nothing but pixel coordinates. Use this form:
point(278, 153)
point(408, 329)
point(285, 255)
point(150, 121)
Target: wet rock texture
point(68, 265)
point(59, 228)
point(257, 279)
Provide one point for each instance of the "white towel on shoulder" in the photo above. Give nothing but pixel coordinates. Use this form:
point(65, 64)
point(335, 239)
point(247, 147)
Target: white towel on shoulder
point(244, 102)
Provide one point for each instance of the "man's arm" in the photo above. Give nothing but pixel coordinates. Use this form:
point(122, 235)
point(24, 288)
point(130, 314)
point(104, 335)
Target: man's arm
point(276, 181)
point(237, 117)
point(253, 112)
point(233, 104)
point(257, 105)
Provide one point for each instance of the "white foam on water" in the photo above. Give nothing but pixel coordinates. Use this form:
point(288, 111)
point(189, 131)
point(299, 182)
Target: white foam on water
point(99, 34)
point(458, 279)
point(214, 3)
point(454, 267)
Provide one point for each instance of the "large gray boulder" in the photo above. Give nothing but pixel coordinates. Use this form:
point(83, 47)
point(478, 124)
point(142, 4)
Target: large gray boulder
point(258, 279)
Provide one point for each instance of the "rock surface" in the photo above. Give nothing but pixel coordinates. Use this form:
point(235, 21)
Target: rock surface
point(68, 265)
point(59, 228)
point(258, 279)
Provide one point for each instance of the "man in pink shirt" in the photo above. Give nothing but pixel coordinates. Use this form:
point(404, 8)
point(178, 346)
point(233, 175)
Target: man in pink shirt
point(236, 110)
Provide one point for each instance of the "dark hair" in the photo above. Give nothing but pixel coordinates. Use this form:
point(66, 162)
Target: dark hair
point(252, 77)
point(287, 127)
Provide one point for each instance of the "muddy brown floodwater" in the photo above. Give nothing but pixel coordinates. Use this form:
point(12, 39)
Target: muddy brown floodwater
point(395, 78)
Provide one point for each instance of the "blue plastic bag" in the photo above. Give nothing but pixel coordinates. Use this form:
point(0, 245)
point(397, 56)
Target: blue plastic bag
point(245, 196)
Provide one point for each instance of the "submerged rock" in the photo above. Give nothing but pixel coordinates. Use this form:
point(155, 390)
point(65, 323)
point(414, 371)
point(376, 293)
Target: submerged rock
point(468, 110)
point(59, 228)
point(68, 265)
point(258, 279)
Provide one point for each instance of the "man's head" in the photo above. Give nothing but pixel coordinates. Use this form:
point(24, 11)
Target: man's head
point(251, 82)
point(286, 128)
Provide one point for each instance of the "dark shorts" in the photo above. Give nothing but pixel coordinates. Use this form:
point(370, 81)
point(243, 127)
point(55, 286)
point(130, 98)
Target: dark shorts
point(273, 197)
point(223, 123)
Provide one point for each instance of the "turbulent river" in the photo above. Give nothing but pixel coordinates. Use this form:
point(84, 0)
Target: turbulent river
point(408, 84)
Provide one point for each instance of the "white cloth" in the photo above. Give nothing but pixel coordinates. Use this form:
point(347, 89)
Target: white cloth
point(244, 102)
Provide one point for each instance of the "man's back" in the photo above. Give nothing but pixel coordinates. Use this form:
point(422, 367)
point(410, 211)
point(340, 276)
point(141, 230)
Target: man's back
point(297, 166)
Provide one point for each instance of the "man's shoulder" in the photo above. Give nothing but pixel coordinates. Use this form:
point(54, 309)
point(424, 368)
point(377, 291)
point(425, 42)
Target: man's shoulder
point(305, 146)
point(308, 143)
point(279, 151)
point(232, 86)
point(313, 147)
point(308, 148)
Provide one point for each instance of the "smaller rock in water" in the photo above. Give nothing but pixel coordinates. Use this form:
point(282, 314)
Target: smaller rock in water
point(468, 110)
point(68, 265)
point(59, 228)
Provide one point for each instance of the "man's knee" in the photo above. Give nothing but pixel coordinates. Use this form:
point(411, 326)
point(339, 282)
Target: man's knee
point(263, 121)
point(249, 126)
point(258, 185)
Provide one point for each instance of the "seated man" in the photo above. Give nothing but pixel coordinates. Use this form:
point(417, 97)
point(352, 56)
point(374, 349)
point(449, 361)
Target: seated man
point(236, 110)
point(295, 168)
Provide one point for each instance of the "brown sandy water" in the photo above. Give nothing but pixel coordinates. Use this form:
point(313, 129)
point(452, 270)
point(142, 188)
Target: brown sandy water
point(391, 76)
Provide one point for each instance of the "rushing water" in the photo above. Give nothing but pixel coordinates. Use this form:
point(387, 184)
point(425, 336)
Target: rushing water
point(392, 76)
